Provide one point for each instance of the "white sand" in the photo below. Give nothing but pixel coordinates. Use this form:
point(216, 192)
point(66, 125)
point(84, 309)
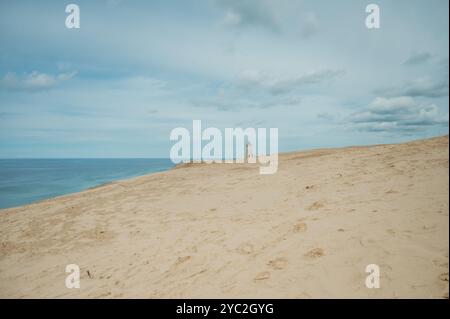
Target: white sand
point(223, 230)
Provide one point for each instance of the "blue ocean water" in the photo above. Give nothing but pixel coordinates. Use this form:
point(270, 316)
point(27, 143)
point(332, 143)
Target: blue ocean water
point(23, 181)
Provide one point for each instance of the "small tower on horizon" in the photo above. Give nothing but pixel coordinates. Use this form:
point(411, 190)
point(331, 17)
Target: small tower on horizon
point(249, 152)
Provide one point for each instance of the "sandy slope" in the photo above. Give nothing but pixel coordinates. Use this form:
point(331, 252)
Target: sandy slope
point(226, 231)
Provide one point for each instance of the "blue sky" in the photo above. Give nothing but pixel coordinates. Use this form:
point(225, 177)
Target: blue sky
point(135, 70)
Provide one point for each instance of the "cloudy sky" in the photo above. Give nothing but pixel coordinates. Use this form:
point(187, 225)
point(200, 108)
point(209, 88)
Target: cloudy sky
point(135, 70)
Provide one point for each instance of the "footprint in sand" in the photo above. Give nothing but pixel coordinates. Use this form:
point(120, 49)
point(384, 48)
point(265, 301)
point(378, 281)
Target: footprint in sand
point(440, 263)
point(245, 249)
point(278, 263)
point(391, 191)
point(315, 253)
point(300, 227)
point(444, 276)
point(262, 276)
point(316, 206)
point(104, 295)
point(192, 249)
point(181, 260)
point(390, 231)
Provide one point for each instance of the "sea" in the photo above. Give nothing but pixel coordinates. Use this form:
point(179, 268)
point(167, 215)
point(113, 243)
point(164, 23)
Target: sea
point(24, 181)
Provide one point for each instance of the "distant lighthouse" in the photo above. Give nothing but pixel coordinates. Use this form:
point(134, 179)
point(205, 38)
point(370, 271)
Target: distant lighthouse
point(249, 152)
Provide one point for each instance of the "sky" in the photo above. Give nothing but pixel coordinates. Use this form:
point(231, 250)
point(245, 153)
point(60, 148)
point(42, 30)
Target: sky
point(135, 70)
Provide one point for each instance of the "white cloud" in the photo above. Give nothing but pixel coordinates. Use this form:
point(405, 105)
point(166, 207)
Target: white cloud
point(391, 105)
point(399, 114)
point(280, 85)
point(33, 81)
point(255, 89)
point(232, 18)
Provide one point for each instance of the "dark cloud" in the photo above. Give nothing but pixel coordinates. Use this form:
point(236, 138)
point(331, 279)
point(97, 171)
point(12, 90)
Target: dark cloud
point(243, 101)
point(326, 116)
point(278, 85)
point(418, 58)
point(425, 87)
point(242, 13)
point(309, 25)
point(269, 15)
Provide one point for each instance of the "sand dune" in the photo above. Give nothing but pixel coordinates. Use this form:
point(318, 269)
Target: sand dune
point(223, 230)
